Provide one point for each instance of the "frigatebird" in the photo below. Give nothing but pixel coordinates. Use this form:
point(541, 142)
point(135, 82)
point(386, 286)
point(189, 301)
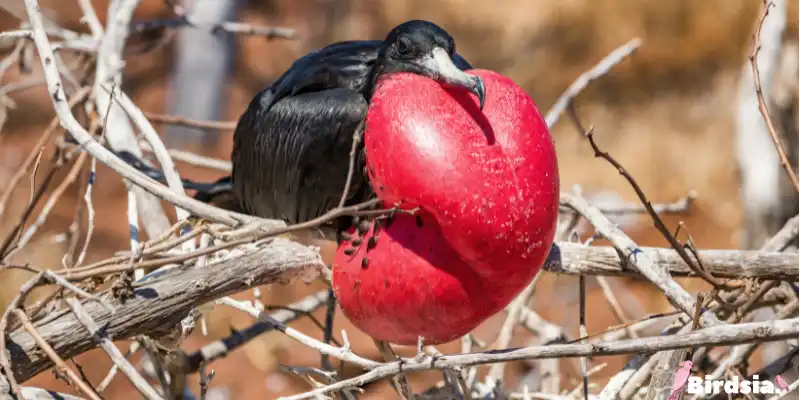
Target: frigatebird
point(477, 238)
point(291, 150)
point(292, 144)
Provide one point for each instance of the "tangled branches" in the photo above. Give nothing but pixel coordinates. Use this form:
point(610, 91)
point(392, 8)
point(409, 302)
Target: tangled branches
point(150, 293)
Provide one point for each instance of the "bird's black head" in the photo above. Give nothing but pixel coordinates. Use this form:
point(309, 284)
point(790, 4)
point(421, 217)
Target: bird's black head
point(424, 48)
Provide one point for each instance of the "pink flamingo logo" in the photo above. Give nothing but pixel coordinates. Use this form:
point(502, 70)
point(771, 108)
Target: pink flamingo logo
point(782, 383)
point(681, 377)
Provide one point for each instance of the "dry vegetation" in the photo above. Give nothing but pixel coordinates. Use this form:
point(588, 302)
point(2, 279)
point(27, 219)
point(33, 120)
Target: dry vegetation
point(666, 114)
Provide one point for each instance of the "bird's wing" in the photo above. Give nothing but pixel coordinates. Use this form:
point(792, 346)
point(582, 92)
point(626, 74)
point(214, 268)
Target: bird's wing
point(290, 161)
point(218, 193)
point(341, 65)
point(461, 62)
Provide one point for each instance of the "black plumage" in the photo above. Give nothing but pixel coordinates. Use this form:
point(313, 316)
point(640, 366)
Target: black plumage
point(290, 160)
point(292, 144)
point(291, 150)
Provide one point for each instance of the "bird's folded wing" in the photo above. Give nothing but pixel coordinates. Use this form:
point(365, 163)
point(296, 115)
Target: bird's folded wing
point(291, 162)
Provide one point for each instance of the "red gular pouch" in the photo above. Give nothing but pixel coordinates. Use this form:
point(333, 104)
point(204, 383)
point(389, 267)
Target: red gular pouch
point(486, 188)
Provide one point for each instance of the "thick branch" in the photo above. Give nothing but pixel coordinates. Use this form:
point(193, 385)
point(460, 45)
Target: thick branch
point(643, 262)
point(576, 259)
point(161, 303)
point(147, 390)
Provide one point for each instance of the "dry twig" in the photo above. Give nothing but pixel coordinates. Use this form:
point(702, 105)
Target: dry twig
point(68, 121)
point(54, 357)
point(574, 259)
point(595, 72)
point(642, 261)
point(657, 221)
point(192, 123)
point(48, 133)
point(514, 311)
point(762, 105)
point(222, 347)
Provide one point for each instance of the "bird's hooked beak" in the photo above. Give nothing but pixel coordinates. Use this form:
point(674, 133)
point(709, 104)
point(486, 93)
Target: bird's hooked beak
point(439, 66)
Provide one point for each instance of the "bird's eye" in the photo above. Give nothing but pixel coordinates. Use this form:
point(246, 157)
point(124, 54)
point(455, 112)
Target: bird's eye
point(403, 46)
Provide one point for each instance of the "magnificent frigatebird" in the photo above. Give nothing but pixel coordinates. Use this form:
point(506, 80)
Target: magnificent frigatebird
point(292, 144)
point(488, 193)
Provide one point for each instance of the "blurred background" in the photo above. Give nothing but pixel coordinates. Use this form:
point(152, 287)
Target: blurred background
point(667, 114)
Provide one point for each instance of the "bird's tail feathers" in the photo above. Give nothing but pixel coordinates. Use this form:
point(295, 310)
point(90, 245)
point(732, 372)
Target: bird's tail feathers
point(218, 193)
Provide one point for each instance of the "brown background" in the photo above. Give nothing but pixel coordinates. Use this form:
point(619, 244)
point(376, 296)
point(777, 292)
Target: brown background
point(666, 114)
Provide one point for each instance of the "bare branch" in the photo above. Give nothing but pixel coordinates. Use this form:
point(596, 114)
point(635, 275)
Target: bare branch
point(194, 159)
point(90, 18)
point(597, 71)
point(44, 139)
point(32, 393)
point(643, 262)
point(121, 136)
point(762, 105)
point(742, 352)
point(657, 221)
point(94, 148)
point(222, 347)
point(717, 335)
point(161, 302)
point(54, 357)
point(191, 123)
point(157, 146)
point(214, 27)
point(618, 381)
point(575, 259)
point(780, 240)
point(147, 390)
point(680, 206)
point(514, 311)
